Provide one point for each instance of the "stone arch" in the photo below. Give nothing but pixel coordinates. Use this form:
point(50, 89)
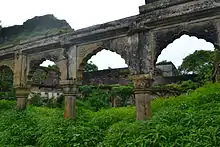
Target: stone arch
point(163, 38)
point(84, 60)
point(56, 56)
point(34, 64)
point(119, 46)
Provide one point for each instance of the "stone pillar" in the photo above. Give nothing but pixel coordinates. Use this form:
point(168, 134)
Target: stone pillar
point(20, 80)
point(69, 90)
point(142, 83)
point(216, 74)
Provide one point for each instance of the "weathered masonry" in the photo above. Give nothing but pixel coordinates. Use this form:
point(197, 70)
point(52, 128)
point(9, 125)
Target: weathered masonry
point(138, 39)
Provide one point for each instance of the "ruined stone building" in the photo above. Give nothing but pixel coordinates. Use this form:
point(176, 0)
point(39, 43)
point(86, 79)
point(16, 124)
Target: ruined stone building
point(139, 40)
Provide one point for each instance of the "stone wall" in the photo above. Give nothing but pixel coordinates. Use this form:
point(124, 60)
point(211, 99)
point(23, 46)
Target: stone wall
point(167, 69)
point(121, 76)
point(174, 79)
point(107, 77)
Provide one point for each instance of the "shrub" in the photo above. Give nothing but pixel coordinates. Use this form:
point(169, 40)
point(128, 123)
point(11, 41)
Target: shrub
point(99, 97)
point(186, 120)
point(174, 89)
point(37, 100)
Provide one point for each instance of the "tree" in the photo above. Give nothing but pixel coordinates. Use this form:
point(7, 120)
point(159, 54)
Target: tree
point(200, 62)
point(89, 67)
point(41, 73)
point(39, 76)
point(6, 79)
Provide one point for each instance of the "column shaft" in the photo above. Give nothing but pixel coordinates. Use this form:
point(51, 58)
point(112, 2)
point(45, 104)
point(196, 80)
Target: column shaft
point(70, 107)
point(142, 106)
point(69, 90)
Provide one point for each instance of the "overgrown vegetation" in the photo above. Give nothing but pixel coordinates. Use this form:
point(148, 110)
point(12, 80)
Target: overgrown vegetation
point(37, 100)
point(200, 62)
point(174, 89)
point(103, 96)
point(187, 120)
point(7, 90)
point(90, 67)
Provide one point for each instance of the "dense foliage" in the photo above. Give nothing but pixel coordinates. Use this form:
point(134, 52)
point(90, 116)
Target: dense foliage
point(89, 67)
point(103, 96)
point(191, 120)
point(6, 79)
point(174, 89)
point(39, 75)
point(6, 83)
point(37, 100)
point(200, 62)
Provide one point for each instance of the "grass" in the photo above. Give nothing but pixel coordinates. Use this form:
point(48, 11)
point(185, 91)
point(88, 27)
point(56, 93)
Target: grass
point(187, 120)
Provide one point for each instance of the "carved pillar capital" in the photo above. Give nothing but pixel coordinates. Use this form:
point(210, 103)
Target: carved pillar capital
point(22, 92)
point(142, 82)
point(68, 87)
point(22, 95)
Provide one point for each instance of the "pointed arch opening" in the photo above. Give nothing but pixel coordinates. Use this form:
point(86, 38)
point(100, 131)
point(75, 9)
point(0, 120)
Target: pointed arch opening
point(44, 79)
point(44, 75)
point(103, 66)
point(186, 55)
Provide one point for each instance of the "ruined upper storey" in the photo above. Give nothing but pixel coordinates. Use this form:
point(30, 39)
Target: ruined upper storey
point(153, 5)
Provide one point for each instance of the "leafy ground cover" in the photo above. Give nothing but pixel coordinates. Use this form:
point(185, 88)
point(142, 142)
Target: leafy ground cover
point(186, 120)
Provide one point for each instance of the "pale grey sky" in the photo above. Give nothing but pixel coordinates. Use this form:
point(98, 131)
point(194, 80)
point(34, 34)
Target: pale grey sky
point(84, 13)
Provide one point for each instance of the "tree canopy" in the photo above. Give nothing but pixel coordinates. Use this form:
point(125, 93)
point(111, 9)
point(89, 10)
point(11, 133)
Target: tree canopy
point(200, 62)
point(89, 67)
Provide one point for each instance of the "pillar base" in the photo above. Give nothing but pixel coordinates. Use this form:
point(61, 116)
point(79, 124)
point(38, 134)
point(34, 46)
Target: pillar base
point(22, 95)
